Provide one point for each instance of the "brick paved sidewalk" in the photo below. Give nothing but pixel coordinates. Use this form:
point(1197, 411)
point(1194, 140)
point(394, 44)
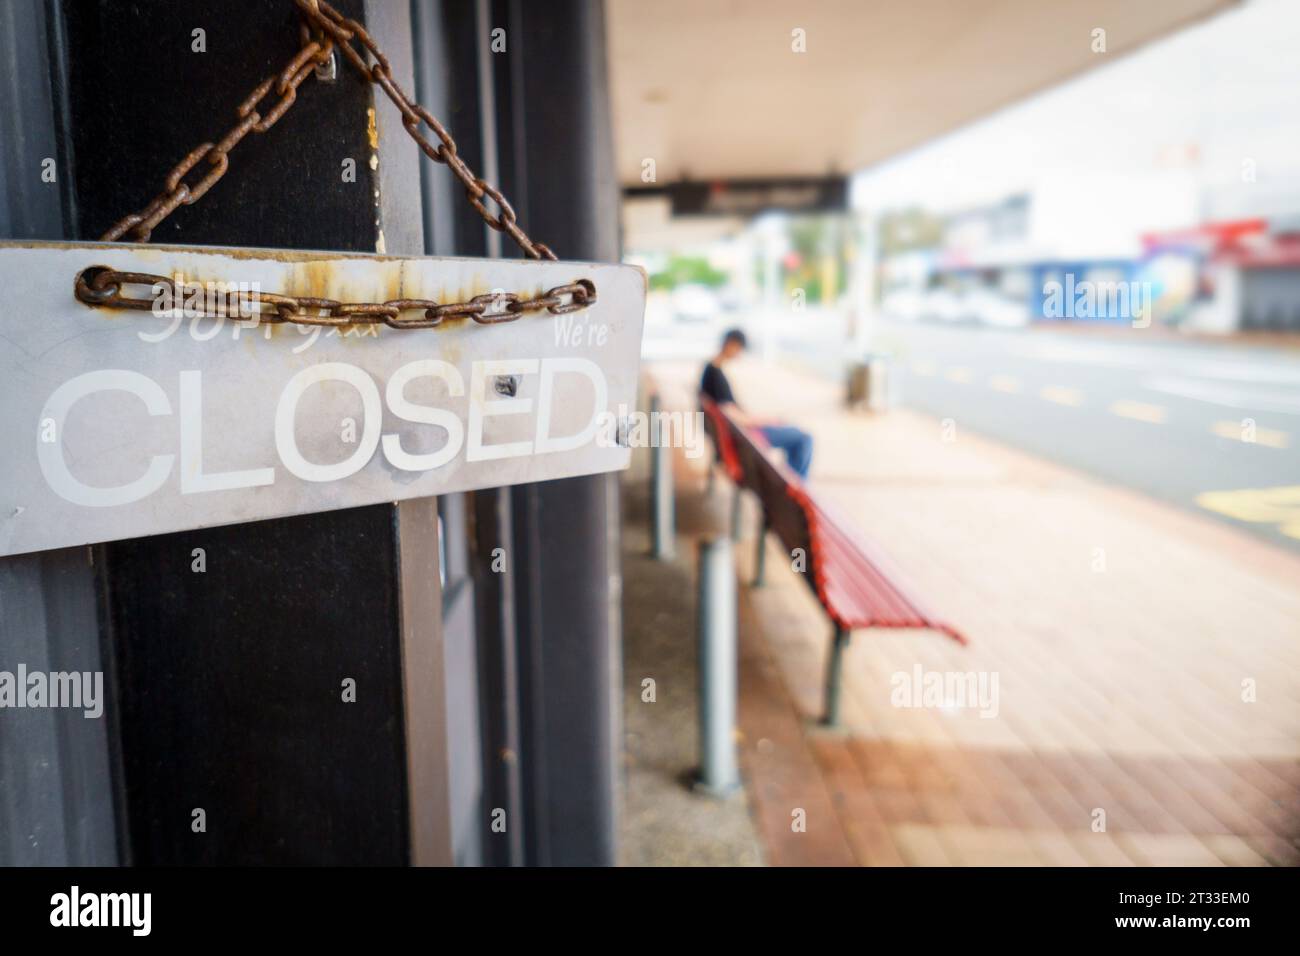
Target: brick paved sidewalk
point(1121, 631)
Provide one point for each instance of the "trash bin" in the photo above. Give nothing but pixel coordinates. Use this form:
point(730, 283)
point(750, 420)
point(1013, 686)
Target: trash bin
point(868, 385)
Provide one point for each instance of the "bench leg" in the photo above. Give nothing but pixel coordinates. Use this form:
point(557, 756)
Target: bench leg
point(834, 678)
point(735, 513)
point(760, 559)
point(662, 534)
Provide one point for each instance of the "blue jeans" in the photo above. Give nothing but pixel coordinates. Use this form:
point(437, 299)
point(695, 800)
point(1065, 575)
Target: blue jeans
point(796, 443)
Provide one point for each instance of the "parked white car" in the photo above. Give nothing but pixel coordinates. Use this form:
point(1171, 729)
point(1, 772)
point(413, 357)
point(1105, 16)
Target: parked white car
point(943, 305)
point(695, 303)
point(992, 308)
point(905, 303)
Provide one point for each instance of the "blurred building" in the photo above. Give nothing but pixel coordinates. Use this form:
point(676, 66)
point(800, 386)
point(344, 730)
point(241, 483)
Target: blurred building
point(1171, 169)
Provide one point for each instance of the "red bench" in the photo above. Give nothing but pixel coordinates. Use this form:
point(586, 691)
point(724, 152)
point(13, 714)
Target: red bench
point(852, 580)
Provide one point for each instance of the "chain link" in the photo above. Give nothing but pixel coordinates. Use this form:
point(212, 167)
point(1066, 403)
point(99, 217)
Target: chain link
point(139, 226)
point(102, 286)
point(342, 30)
point(334, 30)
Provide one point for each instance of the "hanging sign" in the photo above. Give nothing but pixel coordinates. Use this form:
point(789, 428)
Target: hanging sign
point(148, 390)
point(752, 197)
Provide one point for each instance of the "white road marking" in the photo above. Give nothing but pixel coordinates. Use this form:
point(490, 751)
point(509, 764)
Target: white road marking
point(1139, 411)
point(1062, 395)
point(1280, 506)
point(1251, 434)
point(1227, 395)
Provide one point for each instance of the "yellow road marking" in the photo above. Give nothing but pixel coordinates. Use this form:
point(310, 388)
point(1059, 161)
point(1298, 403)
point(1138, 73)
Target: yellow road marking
point(1242, 432)
point(1279, 506)
point(1062, 395)
point(1004, 383)
point(1140, 411)
point(959, 375)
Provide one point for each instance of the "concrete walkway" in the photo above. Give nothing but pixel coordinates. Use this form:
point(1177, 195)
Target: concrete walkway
point(1146, 663)
point(664, 821)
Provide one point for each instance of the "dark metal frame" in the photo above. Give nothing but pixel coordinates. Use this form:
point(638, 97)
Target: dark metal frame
point(499, 691)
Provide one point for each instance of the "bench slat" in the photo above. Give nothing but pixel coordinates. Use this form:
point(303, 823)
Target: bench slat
point(854, 582)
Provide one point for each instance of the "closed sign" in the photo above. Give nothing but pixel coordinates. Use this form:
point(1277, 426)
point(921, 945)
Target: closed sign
point(192, 408)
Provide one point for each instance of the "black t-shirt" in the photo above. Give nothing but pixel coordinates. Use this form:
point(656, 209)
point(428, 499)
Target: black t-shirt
point(715, 385)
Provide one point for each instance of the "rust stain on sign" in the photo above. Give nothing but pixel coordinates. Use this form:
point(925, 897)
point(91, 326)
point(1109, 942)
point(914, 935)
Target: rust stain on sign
point(372, 131)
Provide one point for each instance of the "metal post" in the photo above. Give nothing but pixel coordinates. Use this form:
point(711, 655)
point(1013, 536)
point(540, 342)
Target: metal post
point(661, 489)
point(499, 677)
point(834, 677)
point(555, 155)
point(760, 558)
point(719, 775)
point(222, 644)
point(736, 504)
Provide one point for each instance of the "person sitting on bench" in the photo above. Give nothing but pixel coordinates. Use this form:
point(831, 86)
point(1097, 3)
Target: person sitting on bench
point(795, 442)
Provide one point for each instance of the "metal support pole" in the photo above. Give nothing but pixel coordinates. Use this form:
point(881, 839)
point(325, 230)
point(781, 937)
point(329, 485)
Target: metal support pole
point(834, 677)
point(560, 176)
point(661, 489)
point(736, 504)
point(760, 558)
point(191, 659)
point(719, 775)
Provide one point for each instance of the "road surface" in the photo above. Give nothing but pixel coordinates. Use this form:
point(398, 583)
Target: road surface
point(1214, 427)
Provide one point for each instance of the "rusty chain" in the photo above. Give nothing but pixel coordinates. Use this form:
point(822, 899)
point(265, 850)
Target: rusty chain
point(140, 225)
point(102, 286)
point(341, 30)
